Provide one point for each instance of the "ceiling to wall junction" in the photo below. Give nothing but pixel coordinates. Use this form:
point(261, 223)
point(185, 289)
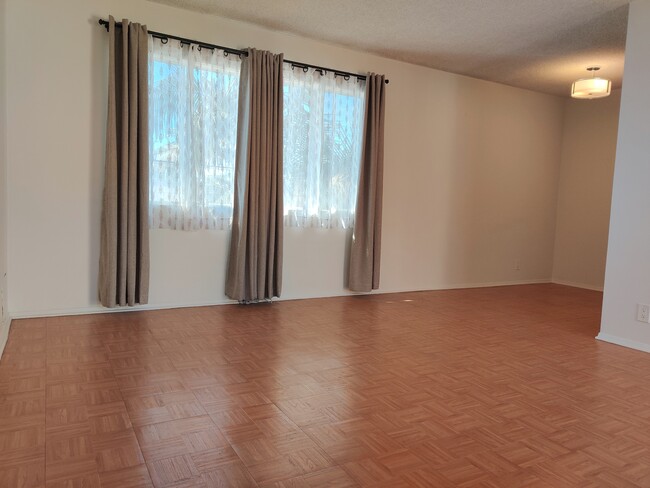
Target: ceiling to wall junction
point(538, 45)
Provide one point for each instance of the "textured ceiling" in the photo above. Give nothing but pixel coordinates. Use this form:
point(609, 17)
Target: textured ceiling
point(542, 45)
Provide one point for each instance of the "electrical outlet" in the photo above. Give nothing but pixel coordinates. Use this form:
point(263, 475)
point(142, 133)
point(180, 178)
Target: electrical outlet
point(643, 313)
point(517, 265)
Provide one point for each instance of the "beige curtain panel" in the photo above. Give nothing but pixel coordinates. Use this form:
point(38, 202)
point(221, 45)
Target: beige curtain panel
point(255, 259)
point(124, 254)
point(365, 251)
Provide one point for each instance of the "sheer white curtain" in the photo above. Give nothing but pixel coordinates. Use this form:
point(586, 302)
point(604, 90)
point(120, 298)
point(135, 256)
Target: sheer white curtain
point(193, 96)
point(323, 122)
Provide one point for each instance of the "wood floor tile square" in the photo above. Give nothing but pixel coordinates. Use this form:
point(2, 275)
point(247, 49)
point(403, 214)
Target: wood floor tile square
point(132, 477)
point(276, 426)
point(522, 455)
point(171, 471)
point(403, 460)
point(289, 466)
point(102, 396)
point(63, 394)
point(121, 456)
point(21, 438)
point(29, 475)
point(117, 422)
point(258, 450)
point(367, 472)
point(67, 448)
point(78, 467)
point(192, 424)
point(214, 459)
point(463, 472)
point(21, 422)
point(232, 475)
point(242, 433)
point(160, 441)
point(146, 416)
point(65, 415)
point(183, 410)
point(99, 372)
point(27, 384)
point(334, 477)
point(230, 417)
point(82, 481)
point(205, 440)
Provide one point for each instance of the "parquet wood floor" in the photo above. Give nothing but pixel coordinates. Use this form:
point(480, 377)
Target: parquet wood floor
point(495, 387)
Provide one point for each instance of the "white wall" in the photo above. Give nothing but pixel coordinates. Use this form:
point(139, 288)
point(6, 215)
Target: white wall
point(4, 316)
point(627, 279)
point(470, 179)
point(585, 191)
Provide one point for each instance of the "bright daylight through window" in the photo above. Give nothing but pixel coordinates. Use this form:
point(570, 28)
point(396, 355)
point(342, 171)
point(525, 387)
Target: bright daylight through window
point(193, 106)
point(193, 95)
point(323, 119)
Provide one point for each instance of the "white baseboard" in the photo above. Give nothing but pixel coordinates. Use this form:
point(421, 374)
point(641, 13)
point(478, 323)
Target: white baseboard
point(97, 309)
point(4, 335)
point(495, 283)
point(620, 341)
point(577, 285)
point(464, 286)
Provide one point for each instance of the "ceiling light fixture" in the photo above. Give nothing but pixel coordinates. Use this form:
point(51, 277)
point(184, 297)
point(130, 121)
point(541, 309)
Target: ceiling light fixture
point(588, 88)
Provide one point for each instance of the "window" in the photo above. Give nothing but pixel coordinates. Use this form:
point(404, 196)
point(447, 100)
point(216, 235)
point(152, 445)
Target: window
point(193, 107)
point(193, 95)
point(323, 121)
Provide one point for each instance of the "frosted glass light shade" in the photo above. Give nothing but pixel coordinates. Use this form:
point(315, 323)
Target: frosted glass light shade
point(591, 88)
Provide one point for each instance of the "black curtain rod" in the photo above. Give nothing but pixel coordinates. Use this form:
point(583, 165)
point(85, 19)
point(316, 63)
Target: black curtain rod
point(240, 52)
